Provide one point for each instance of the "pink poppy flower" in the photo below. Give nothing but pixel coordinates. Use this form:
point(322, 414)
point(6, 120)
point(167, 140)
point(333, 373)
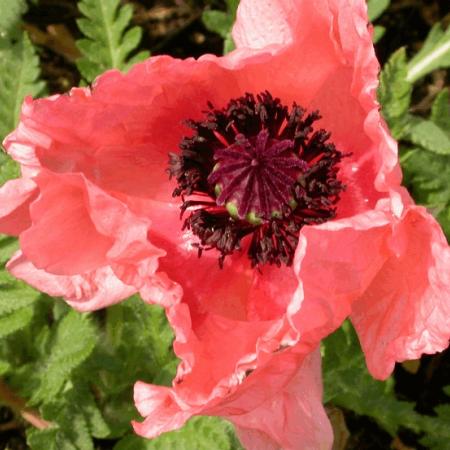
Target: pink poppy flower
point(297, 229)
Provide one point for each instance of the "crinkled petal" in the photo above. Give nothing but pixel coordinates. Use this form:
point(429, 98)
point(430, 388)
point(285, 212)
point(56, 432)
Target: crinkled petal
point(62, 238)
point(340, 260)
point(343, 89)
point(293, 419)
point(15, 199)
point(285, 392)
point(76, 227)
point(405, 310)
point(86, 292)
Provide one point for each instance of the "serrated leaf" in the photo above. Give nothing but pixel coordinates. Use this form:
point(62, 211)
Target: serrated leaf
point(72, 429)
point(74, 340)
point(437, 429)
point(109, 39)
point(394, 93)
point(11, 12)
point(9, 169)
point(19, 77)
point(147, 327)
point(426, 175)
point(76, 405)
point(428, 135)
point(200, 433)
point(14, 296)
point(10, 323)
point(85, 402)
point(440, 111)
point(45, 439)
point(376, 7)
point(348, 384)
point(434, 54)
point(8, 245)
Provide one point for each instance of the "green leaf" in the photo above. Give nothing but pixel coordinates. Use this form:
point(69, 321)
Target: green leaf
point(437, 428)
point(11, 12)
point(19, 77)
point(378, 33)
point(4, 367)
point(46, 440)
point(10, 323)
point(200, 433)
point(71, 431)
point(221, 22)
point(8, 245)
point(348, 384)
point(440, 110)
point(14, 296)
point(434, 54)
point(426, 175)
point(218, 22)
point(109, 39)
point(77, 404)
point(394, 93)
point(73, 342)
point(9, 169)
point(146, 326)
point(376, 7)
point(428, 135)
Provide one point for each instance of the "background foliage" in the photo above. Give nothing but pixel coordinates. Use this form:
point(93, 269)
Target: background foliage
point(76, 371)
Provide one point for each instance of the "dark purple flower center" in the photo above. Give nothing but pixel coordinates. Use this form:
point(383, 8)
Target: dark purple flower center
point(256, 169)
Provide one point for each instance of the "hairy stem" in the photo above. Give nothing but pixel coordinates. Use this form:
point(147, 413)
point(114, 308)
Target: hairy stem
point(18, 405)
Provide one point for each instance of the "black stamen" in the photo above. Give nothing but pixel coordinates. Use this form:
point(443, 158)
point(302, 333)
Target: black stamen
point(263, 172)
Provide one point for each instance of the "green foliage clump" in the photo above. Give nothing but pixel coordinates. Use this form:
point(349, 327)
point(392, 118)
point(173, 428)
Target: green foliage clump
point(424, 142)
point(19, 77)
point(221, 22)
point(109, 40)
point(375, 8)
point(349, 385)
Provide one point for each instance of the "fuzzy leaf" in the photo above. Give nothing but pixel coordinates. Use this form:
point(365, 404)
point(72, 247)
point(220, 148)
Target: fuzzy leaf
point(73, 342)
point(8, 245)
point(15, 295)
point(109, 39)
point(440, 111)
point(19, 77)
point(70, 432)
point(434, 54)
point(376, 7)
point(11, 12)
point(437, 428)
point(198, 434)
point(348, 384)
point(426, 175)
point(137, 344)
point(15, 321)
point(394, 93)
point(9, 169)
point(46, 440)
point(428, 135)
point(77, 418)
